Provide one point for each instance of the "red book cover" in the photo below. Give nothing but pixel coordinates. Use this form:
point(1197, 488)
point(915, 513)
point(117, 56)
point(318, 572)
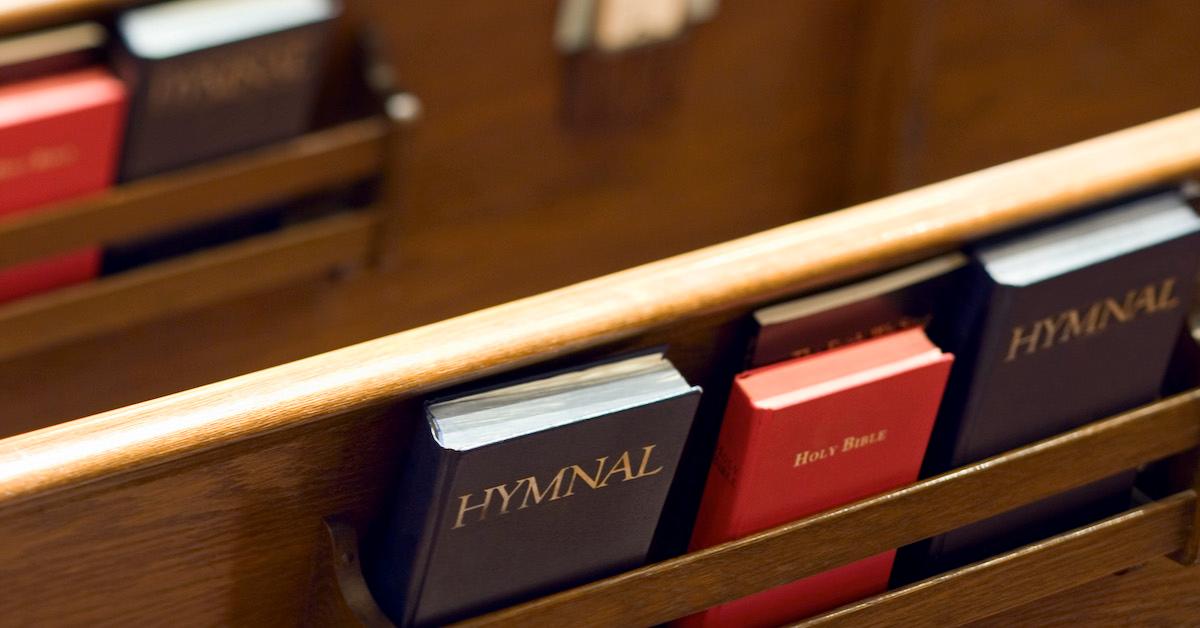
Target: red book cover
point(59, 138)
point(814, 433)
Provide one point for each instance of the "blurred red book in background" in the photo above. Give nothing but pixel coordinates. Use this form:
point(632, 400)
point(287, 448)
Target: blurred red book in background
point(59, 138)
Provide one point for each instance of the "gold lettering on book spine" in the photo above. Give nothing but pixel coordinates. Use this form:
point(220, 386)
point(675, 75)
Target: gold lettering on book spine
point(1092, 319)
point(499, 500)
point(37, 160)
point(223, 76)
point(880, 329)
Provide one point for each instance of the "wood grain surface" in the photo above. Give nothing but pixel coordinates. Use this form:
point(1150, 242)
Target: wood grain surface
point(206, 506)
point(1029, 573)
point(502, 199)
point(1159, 594)
point(314, 249)
point(340, 596)
point(228, 537)
point(760, 135)
point(238, 475)
point(767, 265)
point(976, 83)
point(770, 94)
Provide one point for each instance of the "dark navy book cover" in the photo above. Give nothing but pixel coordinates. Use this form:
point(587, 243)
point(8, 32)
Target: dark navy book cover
point(907, 297)
point(479, 527)
point(1058, 326)
point(247, 78)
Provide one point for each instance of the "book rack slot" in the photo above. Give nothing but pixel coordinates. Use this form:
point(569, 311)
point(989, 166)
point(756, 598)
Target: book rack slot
point(1030, 573)
point(308, 164)
point(681, 586)
point(335, 157)
point(184, 283)
point(674, 588)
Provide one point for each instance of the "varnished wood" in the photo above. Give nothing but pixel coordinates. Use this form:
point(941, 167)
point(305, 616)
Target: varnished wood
point(339, 596)
point(805, 254)
point(166, 454)
point(22, 15)
point(893, 71)
point(229, 537)
point(758, 138)
point(184, 283)
point(1159, 594)
point(243, 471)
point(402, 110)
point(1029, 573)
point(997, 80)
point(244, 494)
point(1190, 555)
point(696, 581)
point(308, 164)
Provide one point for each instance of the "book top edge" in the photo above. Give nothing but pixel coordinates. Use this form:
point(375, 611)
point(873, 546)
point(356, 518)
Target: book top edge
point(799, 379)
point(860, 290)
point(170, 29)
point(59, 94)
point(1088, 240)
point(501, 414)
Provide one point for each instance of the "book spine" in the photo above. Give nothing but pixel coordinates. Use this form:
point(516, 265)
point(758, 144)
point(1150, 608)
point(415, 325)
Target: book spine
point(734, 445)
point(715, 521)
point(430, 524)
point(403, 548)
point(954, 429)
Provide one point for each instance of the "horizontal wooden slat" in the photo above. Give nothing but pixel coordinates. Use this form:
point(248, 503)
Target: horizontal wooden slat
point(802, 255)
point(23, 15)
point(696, 581)
point(1029, 573)
point(1190, 555)
point(188, 282)
point(1159, 593)
point(305, 165)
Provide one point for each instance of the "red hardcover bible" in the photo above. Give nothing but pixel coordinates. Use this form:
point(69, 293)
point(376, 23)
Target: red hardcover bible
point(59, 137)
point(810, 434)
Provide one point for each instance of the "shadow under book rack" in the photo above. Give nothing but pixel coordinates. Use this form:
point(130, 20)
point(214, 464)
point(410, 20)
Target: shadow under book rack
point(330, 158)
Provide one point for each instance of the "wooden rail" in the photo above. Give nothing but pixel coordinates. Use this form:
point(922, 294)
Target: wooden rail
point(23, 15)
point(243, 472)
point(176, 285)
point(802, 255)
point(1027, 574)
